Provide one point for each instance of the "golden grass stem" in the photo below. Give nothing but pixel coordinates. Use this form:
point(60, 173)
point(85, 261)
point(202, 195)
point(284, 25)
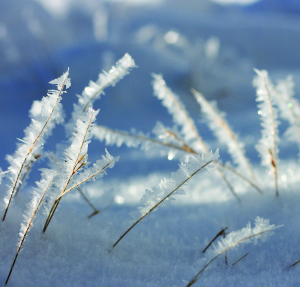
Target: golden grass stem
point(85, 180)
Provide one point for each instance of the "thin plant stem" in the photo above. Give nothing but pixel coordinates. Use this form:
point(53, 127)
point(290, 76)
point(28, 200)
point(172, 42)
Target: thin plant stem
point(28, 227)
point(240, 259)
point(221, 233)
point(99, 211)
point(159, 202)
point(240, 176)
point(229, 185)
point(294, 264)
point(96, 211)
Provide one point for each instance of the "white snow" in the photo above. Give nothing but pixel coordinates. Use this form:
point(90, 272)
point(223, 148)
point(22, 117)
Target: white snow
point(211, 46)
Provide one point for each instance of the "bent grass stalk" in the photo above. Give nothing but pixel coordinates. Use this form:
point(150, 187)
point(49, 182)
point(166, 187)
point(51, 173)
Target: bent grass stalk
point(184, 148)
point(32, 147)
point(197, 276)
point(28, 227)
point(108, 83)
point(158, 203)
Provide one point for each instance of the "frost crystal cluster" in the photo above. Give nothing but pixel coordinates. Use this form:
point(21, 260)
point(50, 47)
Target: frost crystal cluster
point(261, 226)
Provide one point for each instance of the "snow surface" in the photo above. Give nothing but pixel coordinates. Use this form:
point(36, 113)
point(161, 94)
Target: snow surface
point(193, 44)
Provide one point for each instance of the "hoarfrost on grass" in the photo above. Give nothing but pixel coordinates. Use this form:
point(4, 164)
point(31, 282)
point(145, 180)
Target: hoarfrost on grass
point(180, 116)
point(267, 145)
point(220, 127)
point(94, 90)
point(42, 185)
point(44, 116)
point(260, 225)
point(78, 148)
point(187, 170)
point(97, 171)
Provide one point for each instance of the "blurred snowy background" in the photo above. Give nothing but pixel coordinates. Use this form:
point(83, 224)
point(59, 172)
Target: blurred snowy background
point(212, 46)
point(209, 45)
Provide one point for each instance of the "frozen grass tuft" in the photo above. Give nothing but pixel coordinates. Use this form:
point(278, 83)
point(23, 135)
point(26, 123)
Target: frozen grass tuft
point(70, 169)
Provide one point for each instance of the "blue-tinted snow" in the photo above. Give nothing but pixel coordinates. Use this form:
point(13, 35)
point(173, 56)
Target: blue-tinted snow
point(38, 45)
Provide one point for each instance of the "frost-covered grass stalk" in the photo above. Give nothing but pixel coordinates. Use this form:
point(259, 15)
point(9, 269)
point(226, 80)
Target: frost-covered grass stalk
point(94, 90)
point(168, 187)
point(225, 135)
point(38, 195)
point(236, 238)
point(73, 169)
point(180, 115)
point(44, 115)
point(267, 145)
point(186, 140)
